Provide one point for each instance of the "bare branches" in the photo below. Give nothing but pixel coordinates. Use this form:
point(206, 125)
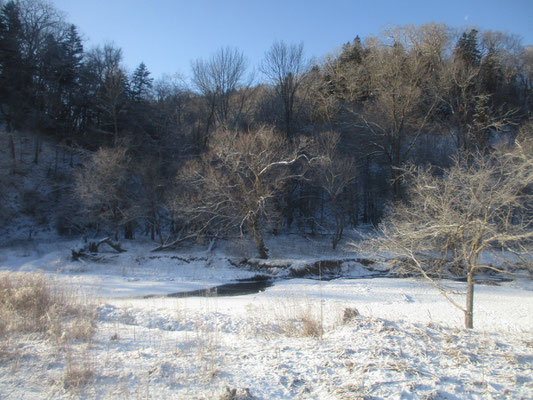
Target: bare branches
point(233, 186)
point(392, 88)
point(284, 66)
point(333, 174)
point(481, 204)
point(101, 186)
point(220, 79)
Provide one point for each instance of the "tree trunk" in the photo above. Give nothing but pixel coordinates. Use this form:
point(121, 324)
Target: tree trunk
point(339, 224)
point(261, 248)
point(13, 154)
point(36, 152)
point(56, 162)
point(396, 184)
point(128, 231)
point(258, 239)
point(469, 312)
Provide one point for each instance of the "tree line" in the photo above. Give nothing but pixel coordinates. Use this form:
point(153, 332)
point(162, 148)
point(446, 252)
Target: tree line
point(304, 146)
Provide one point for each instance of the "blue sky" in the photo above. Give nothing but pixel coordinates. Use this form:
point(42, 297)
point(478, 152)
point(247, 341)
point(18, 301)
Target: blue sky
point(168, 34)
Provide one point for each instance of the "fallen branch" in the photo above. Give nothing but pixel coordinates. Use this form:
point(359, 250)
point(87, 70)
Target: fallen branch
point(93, 246)
point(90, 251)
point(172, 244)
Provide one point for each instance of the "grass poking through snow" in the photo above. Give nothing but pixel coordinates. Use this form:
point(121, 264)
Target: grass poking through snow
point(36, 313)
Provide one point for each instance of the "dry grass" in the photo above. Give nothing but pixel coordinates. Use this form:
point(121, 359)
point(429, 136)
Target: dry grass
point(30, 303)
point(33, 308)
point(310, 325)
point(25, 300)
point(78, 372)
point(289, 317)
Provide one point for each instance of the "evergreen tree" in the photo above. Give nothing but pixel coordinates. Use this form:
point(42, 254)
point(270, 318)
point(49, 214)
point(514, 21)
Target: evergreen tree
point(467, 48)
point(352, 52)
point(13, 72)
point(141, 83)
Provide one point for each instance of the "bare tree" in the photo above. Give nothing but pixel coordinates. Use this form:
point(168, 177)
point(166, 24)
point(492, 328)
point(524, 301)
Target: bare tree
point(284, 65)
point(233, 186)
point(39, 19)
point(391, 90)
point(101, 186)
point(333, 173)
point(106, 67)
point(152, 196)
point(220, 80)
point(481, 204)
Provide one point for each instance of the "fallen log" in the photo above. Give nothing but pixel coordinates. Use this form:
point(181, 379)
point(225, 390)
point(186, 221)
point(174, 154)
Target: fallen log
point(89, 252)
point(93, 246)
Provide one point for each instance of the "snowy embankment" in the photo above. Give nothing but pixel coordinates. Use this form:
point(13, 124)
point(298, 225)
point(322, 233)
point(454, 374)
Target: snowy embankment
point(299, 338)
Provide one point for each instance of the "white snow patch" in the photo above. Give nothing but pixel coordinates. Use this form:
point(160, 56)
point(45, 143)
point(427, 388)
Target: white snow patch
point(286, 342)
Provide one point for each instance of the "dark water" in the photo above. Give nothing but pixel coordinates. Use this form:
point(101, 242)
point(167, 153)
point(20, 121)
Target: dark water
point(260, 283)
point(250, 286)
point(229, 289)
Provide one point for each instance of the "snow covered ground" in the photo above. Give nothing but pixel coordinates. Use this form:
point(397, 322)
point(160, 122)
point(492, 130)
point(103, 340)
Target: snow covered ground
point(296, 339)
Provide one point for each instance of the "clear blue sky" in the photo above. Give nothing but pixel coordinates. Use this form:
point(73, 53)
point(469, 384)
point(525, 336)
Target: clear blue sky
point(168, 34)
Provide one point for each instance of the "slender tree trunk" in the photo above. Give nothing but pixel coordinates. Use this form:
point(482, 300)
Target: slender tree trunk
point(13, 154)
point(36, 151)
point(288, 128)
point(115, 126)
point(339, 224)
point(159, 234)
point(469, 312)
point(396, 185)
point(56, 161)
point(115, 220)
point(128, 231)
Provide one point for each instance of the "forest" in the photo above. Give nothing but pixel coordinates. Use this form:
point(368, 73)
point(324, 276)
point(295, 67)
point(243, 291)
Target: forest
point(312, 147)
point(303, 228)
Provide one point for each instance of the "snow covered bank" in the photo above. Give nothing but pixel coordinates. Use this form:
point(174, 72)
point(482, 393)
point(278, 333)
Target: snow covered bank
point(291, 340)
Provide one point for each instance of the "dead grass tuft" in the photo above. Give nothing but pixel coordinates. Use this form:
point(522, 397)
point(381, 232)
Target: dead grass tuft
point(301, 320)
point(24, 301)
point(30, 303)
point(78, 373)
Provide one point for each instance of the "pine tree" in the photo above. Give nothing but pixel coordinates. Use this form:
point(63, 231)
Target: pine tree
point(141, 83)
point(13, 71)
point(58, 79)
point(467, 48)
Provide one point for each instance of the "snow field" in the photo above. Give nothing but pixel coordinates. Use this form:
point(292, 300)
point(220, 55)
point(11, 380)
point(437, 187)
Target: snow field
point(287, 342)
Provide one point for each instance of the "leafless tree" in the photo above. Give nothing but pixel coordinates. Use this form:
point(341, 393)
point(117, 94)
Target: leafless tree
point(152, 194)
point(392, 91)
point(232, 187)
point(101, 186)
point(39, 19)
point(333, 173)
point(106, 65)
point(221, 80)
point(481, 204)
point(284, 65)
